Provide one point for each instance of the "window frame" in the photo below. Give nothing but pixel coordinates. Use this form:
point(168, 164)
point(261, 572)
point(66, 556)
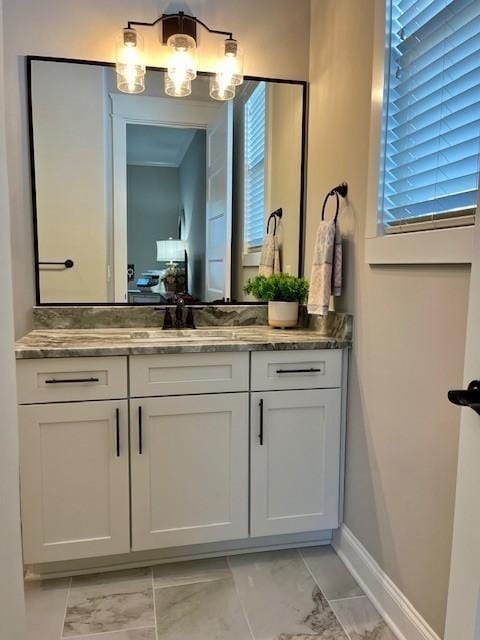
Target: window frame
point(453, 245)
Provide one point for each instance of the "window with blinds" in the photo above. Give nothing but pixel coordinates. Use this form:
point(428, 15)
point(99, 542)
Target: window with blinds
point(431, 153)
point(254, 170)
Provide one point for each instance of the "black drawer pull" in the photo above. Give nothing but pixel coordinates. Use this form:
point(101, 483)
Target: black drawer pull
point(260, 433)
point(71, 380)
point(117, 430)
point(140, 431)
point(312, 370)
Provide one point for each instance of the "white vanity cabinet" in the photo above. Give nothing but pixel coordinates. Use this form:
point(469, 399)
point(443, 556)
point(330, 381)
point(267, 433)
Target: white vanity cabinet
point(295, 441)
point(74, 480)
point(189, 469)
point(295, 461)
point(191, 448)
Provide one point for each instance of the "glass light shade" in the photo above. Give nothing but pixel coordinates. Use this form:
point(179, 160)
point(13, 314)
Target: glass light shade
point(171, 250)
point(130, 61)
point(177, 89)
point(219, 89)
point(231, 62)
point(182, 65)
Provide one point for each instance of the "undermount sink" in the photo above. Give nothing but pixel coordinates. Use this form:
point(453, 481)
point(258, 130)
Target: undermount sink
point(176, 335)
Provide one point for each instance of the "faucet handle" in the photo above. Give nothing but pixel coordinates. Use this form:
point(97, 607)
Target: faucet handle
point(190, 322)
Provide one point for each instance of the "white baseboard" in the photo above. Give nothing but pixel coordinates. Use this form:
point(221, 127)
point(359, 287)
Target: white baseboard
point(397, 611)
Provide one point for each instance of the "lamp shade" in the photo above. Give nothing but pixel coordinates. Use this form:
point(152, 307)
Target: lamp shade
point(171, 250)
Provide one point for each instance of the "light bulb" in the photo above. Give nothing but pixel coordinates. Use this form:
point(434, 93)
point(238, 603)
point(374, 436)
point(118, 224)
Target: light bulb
point(130, 62)
point(182, 67)
point(220, 89)
point(177, 88)
point(231, 62)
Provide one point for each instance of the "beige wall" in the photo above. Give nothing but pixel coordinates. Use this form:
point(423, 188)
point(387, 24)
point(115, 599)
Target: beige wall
point(285, 157)
point(86, 30)
point(70, 174)
point(11, 572)
point(409, 336)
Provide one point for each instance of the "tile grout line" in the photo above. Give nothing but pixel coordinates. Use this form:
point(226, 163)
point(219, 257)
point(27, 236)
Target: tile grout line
point(154, 604)
point(244, 611)
point(350, 598)
point(66, 607)
point(347, 635)
point(105, 633)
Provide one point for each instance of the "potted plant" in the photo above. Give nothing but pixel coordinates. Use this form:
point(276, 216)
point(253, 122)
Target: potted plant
point(283, 293)
point(174, 279)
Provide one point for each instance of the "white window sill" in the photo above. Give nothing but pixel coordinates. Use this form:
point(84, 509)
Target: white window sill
point(440, 246)
point(251, 259)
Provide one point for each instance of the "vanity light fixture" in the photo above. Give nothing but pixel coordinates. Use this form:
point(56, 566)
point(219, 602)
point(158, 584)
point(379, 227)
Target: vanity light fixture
point(130, 61)
point(179, 33)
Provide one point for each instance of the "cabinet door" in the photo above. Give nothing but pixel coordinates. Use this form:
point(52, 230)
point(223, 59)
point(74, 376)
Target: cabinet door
point(74, 480)
point(189, 469)
point(295, 461)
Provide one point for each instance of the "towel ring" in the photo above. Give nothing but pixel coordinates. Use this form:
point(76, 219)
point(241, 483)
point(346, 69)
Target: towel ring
point(339, 190)
point(276, 215)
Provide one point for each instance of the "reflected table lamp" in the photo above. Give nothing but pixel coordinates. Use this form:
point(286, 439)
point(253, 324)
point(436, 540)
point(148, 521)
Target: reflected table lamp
point(173, 251)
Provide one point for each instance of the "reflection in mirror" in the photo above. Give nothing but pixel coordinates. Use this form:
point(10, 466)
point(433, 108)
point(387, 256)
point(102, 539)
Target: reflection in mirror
point(152, 197)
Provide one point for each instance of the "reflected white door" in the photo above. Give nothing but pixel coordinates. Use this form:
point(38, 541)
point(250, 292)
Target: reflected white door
point(463, 611)
point(218, 228)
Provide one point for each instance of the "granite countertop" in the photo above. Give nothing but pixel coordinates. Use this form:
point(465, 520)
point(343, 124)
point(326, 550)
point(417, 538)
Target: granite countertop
point(64, 343)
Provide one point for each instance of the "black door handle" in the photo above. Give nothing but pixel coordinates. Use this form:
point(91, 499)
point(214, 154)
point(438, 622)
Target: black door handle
point(469, 397)
point(140, 431)
point(260, 433)
point(117, 431)
point(66, 264)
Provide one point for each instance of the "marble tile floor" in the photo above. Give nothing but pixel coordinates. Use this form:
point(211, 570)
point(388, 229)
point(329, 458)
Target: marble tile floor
point(304, 594)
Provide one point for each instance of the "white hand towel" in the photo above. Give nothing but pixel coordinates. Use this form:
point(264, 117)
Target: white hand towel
point(326, 276)
point(270, 258)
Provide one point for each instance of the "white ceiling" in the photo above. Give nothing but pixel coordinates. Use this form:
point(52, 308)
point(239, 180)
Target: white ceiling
point(157, 146)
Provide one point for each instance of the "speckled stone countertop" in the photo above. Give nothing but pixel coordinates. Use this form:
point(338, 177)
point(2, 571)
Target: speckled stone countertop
point(65, 343)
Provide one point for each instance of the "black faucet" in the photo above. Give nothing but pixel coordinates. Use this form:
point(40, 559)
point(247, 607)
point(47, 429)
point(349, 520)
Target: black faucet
point(179, 323)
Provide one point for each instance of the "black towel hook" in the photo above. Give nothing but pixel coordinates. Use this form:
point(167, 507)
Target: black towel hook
point(276, 215)
point(339, 190)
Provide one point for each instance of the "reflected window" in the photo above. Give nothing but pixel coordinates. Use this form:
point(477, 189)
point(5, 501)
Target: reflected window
point(255, 139)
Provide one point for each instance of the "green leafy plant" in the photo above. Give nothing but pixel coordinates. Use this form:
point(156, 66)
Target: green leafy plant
point(280, 287)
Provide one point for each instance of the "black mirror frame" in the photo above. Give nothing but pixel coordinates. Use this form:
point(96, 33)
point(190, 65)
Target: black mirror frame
point(303, 178)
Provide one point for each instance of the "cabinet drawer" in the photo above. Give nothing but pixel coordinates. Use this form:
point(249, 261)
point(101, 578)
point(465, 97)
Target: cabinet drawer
point(319, 369)
point(188, 373)
point(71, 379)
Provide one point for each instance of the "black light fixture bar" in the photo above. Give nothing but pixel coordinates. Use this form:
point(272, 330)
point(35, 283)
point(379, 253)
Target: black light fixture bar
point(178, 19)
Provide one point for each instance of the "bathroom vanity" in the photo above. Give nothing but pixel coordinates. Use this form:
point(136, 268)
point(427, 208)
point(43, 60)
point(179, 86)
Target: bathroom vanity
point(139, 444)
point(134, 439)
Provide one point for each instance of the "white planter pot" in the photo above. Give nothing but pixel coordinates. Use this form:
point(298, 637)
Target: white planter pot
point(282, 315)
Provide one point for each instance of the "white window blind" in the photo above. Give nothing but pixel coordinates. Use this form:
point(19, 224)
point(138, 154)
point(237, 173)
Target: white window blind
point(431, 154)
point(254, 172)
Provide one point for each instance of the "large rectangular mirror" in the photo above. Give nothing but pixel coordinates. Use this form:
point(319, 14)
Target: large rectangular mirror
point(142, 198)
